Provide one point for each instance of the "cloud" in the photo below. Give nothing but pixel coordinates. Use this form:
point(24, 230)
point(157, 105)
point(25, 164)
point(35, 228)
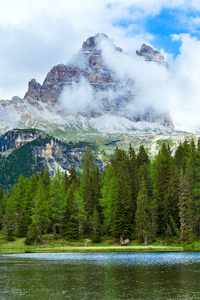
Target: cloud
point(173, 89)
point(36, 35)
point(77, 97)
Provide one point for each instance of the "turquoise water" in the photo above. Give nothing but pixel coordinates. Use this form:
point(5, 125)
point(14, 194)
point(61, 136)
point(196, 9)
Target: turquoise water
point(129, 275)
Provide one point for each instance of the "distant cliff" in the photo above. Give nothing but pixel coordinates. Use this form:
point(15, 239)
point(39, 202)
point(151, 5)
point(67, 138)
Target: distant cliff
point(17, 138)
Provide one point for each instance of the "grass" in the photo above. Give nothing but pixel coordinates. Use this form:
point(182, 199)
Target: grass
point(50, 244)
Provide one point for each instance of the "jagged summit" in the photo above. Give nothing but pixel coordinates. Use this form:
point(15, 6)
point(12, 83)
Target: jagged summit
point(92, 43)
point(151, 54)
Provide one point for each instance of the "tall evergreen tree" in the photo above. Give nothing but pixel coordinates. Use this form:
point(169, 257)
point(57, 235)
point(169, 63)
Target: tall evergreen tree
point(57, 201)
point(123, 214)
point(143, 213)
point(108, 197)
point(10, 219)
point(90, 188)
point(163, 171)
point(186, 209)
point(142, 157)
point(40, 217)
point(134, 178)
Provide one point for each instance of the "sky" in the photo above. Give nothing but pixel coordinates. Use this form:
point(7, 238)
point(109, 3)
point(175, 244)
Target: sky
point(35, 35)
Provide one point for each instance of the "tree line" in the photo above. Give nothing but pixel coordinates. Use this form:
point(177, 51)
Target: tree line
point(135, 197)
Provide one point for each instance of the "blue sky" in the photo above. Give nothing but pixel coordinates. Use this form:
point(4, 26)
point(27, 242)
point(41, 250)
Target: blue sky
point(163, 25)
point(167, 23)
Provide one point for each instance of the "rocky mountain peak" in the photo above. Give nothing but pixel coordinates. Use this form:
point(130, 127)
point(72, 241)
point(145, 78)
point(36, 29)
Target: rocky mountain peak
point(92, 43)
point(111, 93)
point(151, 54)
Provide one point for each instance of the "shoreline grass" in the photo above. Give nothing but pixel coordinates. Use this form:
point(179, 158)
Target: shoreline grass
point(60, 245)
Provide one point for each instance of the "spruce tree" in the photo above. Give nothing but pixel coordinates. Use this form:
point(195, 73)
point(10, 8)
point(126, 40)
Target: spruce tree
point(142, 157)
point(122, 214)
point(108, 191)
point(57, 201)
point(143, 213)
point(186, 209)
point(134, 177)
point(90, 188)
point(40, 217)
point(10, 219)
point(70, 221)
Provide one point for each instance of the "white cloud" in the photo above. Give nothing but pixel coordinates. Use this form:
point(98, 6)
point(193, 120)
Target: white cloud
point(36, 35)
point(77, 97)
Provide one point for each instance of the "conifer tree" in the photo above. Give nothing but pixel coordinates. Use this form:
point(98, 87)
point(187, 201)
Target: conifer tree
point(143, 213)
point(57, 201)
point(186, 209)
point(10, 219)
point(108, 196)
point(71, 224)
point(81, 213)
point(90, 188)
point(134, 178)
point(161, 176)
point(122, 214)
point(142, 157)
point(66, 181)
point(40, 217)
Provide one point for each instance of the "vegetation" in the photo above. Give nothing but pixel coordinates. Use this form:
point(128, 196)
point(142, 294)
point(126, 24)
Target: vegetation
point(135, 200)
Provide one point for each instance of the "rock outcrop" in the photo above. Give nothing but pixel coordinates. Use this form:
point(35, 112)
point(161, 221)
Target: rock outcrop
point(151, 54)
point(16, 138)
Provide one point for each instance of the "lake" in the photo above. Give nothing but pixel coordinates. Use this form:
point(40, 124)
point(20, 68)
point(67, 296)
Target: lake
point(124, 275)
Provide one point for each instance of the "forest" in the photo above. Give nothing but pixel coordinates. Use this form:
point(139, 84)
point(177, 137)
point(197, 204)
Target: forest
point(134, 197)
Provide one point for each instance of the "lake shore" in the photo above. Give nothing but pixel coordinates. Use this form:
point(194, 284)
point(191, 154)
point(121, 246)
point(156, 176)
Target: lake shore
point(18, 246)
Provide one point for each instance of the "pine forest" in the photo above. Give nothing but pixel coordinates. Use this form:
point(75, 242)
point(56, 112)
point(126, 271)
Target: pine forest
point(134, 198)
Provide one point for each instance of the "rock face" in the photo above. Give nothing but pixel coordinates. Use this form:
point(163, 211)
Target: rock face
point(106, 86)
point(151, 54)
point(17, 138)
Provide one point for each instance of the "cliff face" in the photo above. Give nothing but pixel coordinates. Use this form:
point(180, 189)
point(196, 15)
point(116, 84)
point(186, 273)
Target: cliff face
point(151, 54)
point(32, 151)
point(89, 64)
point(17, 138)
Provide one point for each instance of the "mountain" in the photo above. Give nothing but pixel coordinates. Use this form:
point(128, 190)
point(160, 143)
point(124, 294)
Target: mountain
point(83, 103)
point(43, 106)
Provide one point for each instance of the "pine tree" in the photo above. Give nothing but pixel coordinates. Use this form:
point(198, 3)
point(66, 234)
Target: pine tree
point(122, 214)
point(108, 196)
point(90, 188)
point(10, 219)
point(40, 217)
point(71, 224)
point(186, 209)
point(142, 157)
point(81, 213)
point(143, 213)
point(57, 201)
point(162, 171)
point(134, 178)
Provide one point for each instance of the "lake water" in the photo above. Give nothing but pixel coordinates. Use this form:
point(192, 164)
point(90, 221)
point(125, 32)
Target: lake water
point(124, 275)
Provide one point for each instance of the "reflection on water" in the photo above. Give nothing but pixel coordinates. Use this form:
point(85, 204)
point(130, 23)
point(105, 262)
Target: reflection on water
point(100, 276)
